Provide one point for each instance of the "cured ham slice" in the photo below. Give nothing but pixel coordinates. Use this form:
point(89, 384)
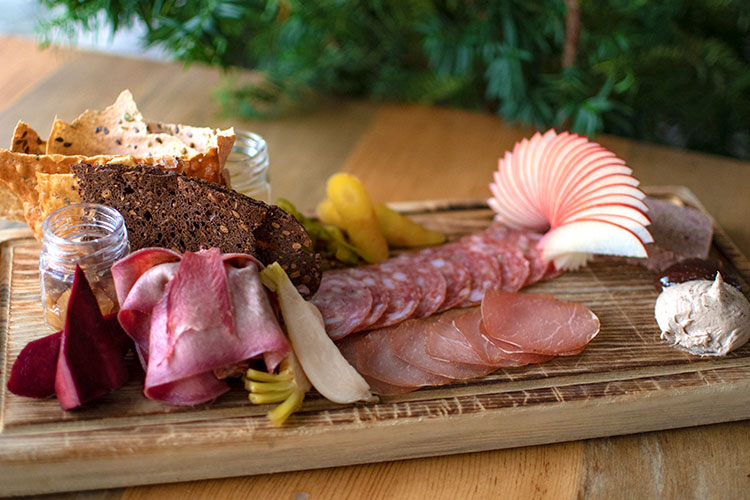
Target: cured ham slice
point(348, 349)
point(444, 341)
point(195, 316)
point(538, 323)
point(343, 302)
point(376, 358)
point(470, 326)
point(408, 342)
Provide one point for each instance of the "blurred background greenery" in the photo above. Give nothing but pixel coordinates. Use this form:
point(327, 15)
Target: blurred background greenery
point(675, 72)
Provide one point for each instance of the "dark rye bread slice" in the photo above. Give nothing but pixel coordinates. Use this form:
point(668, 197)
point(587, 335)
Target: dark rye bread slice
point(172, 210)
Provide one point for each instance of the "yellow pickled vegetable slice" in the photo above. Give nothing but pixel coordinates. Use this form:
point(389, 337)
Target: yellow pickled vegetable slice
point(401, 231)
point(352, 203)
point(287, 387)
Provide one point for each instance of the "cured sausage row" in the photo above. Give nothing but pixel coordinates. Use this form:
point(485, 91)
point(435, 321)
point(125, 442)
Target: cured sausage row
point(420, 284)
point(508, 330)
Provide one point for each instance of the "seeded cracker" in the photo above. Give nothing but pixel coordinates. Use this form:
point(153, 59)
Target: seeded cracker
point(25, 140)
point(56, 191)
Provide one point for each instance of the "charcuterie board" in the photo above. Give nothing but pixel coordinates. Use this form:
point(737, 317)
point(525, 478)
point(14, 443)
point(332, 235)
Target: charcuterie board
point(626, 381)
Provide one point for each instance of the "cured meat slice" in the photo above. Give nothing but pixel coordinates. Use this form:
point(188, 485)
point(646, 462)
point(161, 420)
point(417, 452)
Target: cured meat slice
point(458, 283)
point(526, 241)
point(444, 341)
point(469, 324)
point(483, 267)
point(376, 358)
point(408, 342)
point(514, 267)
point(348, 349)
point(432, 285)
point(369, 278)
point(403, 294)
point(343, 302)
point(538, 323)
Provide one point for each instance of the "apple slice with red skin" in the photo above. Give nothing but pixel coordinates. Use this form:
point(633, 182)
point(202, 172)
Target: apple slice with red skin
point(620, 209)
point(611, 239)
point(577, 188)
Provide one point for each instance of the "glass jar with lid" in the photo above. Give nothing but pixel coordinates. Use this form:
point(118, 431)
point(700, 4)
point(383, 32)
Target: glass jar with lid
point(90, 235)
point(248, 166)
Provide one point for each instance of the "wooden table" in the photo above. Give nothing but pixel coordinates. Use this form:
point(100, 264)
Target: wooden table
point(409, 152)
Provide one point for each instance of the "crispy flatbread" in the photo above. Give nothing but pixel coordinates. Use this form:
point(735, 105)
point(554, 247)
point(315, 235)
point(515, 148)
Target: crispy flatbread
point(56, 191)
point(25, 140)
point(30, 186)
point(18, 172)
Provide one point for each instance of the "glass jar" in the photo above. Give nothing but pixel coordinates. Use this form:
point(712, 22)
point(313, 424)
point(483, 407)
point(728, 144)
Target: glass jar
point(90, 235)
point(248, 166)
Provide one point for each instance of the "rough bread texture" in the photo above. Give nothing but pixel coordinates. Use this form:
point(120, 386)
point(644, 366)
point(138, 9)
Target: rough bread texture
point(174, 211)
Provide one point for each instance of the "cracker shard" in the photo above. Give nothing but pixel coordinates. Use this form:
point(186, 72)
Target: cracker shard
point(170, 210)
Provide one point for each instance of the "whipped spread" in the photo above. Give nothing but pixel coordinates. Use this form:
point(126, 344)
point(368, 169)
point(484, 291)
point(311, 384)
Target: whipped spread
point(704, 317)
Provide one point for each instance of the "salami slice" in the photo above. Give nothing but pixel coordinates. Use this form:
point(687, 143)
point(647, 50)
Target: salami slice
point(403, 294)
point(342, 302)
point(408, 342)
point(526, 242)
point(457, 277)
point(514, 267)
point(432, 285)
point(370, 279)
point(376, 358)
point(484, 269)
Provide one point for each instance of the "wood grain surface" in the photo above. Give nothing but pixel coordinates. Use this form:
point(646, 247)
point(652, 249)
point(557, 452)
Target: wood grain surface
point(408, 152)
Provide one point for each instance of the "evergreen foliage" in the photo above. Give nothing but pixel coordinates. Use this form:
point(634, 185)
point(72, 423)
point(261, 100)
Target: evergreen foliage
point(672, 71)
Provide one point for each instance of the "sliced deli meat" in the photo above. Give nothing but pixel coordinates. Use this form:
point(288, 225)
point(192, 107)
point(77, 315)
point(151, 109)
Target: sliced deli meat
point(376, 358)
point(403, 294)
point(409, 342)
point(494, 354)
point(538, 323)
point(458, 284)
point(444, 341)
point(432, 285)
point(343, 302)
point(192, 317)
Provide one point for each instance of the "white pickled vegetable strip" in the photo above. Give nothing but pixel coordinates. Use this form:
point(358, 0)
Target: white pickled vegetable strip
point(328, 371)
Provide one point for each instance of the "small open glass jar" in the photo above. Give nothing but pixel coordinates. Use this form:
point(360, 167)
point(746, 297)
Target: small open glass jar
point(248, 166)
point(90, 235)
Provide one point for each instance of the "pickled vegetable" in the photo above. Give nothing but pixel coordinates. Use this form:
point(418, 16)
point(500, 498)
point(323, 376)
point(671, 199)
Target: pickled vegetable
point(326, 368)
point(401, 231)
point(352, 203)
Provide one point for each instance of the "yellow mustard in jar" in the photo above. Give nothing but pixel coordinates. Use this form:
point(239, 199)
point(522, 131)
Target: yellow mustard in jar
point(90, 235)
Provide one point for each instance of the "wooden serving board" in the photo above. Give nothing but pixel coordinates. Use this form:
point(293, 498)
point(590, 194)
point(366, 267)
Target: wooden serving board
point(626, 381)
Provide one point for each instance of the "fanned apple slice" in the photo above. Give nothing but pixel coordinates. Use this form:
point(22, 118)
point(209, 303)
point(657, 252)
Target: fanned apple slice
point(576, 237)
point(609, 209)
point(581, 191)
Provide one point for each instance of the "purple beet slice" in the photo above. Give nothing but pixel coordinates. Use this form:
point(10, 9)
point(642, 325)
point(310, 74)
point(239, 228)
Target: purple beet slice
point(91, 362)
point(33, 372)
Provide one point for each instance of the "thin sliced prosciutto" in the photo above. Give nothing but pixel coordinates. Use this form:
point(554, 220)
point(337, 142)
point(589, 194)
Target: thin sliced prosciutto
point(538, 323)
point(191, 317)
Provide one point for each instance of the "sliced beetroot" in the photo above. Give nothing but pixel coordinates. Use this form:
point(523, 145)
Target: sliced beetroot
point(33, 372)
point(91, 362)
